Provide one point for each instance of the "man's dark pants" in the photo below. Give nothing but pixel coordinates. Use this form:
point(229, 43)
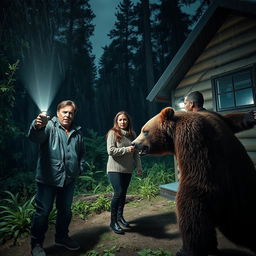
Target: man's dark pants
point(44, 203)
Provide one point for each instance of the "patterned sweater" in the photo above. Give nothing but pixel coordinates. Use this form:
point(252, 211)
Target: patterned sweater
point(119, 157)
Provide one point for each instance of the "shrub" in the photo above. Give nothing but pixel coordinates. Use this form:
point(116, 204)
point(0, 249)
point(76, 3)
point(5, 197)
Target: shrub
point(96, 152)
point(159, 173)
point(149, 252)
point(15, 217)
point(154, 174)
point(101, 204)
point(23, 182)
point(81, 208)
point(94, 181)
point(91, 253)
point(148, 189)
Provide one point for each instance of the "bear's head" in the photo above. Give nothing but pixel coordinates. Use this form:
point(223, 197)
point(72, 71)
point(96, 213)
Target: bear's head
point(156, 135)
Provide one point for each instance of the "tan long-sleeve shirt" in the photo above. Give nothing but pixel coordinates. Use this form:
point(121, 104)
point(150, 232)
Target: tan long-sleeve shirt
point(119, 157)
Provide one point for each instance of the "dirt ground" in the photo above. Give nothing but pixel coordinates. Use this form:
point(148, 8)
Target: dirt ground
point(153, 226)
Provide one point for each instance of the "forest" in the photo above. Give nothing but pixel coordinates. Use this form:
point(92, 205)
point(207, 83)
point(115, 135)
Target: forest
point(46, 56)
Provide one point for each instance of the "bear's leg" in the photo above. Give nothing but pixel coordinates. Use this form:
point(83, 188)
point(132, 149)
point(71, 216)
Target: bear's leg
point(197, 228)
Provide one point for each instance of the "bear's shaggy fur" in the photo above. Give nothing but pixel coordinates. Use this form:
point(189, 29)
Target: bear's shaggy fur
point(217, 178)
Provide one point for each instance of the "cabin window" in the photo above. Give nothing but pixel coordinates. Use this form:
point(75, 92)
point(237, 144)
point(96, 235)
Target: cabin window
point(234, 90)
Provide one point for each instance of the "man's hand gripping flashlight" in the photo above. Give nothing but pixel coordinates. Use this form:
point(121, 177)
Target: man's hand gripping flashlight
point(41, 120)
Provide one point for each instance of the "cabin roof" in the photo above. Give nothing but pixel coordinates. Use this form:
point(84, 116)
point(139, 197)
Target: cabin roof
point(197, 40)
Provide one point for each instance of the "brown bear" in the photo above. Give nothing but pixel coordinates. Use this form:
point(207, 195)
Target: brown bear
point(217, 178)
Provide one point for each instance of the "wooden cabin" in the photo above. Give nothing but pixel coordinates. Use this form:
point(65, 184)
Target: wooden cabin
point(218, 59)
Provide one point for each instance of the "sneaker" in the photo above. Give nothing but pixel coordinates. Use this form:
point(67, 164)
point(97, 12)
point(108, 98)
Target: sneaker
point(38, 250)
point(68, 243)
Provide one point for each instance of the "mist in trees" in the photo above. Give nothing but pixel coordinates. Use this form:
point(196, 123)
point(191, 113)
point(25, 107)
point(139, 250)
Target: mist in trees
point(51, 39)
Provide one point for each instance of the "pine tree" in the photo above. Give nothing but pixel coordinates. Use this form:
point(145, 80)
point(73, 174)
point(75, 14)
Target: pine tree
point(170, 30)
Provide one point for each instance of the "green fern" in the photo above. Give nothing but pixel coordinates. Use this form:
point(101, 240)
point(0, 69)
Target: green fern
point(101, 204)
point(149, 252)
point(15, 217)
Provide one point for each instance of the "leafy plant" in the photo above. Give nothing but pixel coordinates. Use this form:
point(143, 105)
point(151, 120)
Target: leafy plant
point(101, 204)
point(160, 174)
point(91, 253)
point(148, 189)
point(172, 204)
point(110, 252)
point(6, 86)
point(90, 181)
point(96, 149)
point(149, 252)
point(21, 182)
point(8, 128)
point(15, 217)
point(153, 175)
point(81, 208)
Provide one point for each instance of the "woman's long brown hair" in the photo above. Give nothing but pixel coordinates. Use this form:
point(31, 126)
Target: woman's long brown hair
point(117, 130)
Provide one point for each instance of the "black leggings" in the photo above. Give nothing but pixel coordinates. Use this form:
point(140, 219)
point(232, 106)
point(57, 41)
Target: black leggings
point(120, 183)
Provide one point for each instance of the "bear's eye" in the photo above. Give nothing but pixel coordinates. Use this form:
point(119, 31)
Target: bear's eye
point(145, 133)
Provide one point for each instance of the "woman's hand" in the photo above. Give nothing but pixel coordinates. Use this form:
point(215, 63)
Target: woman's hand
point(131, 148)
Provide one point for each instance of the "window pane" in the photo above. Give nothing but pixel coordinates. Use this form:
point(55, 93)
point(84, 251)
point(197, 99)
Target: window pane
point(224, 84)
point(242, 80)
point(226, 100)
point(244, 97)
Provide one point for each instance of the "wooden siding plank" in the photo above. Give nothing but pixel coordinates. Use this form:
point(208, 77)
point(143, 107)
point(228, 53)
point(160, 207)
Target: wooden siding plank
point(200, 86)
point(247, 134)
point(227, 57)
point(208, 73)
point(249, 144)
point(207, 92)
point(231, 31)
point(252, 155)
point(231, 43)
point(231, 21)
point(208, 104)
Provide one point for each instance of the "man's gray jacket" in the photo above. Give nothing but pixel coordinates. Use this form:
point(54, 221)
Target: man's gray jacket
point(61, 157)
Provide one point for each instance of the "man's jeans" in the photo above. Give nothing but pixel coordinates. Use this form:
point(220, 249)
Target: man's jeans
point(44, 203)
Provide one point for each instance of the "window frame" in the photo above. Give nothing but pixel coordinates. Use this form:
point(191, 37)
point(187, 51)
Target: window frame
point(252, 69)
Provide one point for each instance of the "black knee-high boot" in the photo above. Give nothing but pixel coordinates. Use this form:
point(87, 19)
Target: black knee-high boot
point(120, 217)
point(114, 224)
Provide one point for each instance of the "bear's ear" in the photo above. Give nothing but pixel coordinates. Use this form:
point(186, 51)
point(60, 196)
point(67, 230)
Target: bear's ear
point(167, 114)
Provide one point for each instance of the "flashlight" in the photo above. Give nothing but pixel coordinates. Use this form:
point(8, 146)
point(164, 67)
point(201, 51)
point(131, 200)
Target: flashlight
point(44, 112)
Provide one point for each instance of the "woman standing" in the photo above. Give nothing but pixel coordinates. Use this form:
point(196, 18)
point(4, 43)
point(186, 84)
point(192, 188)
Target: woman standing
point(122, 159)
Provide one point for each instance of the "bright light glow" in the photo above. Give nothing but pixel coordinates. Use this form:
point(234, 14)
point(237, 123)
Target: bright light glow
point(181, 105)
point(43, 72)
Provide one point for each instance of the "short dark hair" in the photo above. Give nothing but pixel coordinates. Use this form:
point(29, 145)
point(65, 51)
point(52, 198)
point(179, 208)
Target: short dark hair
point(196, 97)
point(65, 103)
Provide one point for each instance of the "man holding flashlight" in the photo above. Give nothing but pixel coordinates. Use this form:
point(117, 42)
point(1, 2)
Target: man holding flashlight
point(61, 160)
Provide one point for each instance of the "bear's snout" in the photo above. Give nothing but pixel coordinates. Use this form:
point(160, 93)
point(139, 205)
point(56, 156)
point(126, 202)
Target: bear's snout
point(134, 144)
point(143, 149)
